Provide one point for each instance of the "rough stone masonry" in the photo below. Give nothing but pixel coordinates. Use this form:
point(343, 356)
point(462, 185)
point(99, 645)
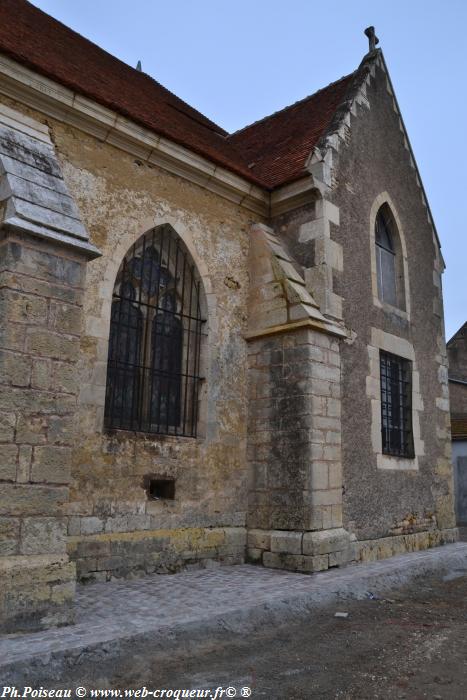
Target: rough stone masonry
point(287, 468)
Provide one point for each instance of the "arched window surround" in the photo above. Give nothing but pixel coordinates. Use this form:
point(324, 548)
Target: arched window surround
point(400, 249)
point(157, 334)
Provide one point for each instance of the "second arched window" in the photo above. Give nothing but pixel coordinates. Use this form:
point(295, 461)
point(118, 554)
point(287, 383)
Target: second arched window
point(153, 370)
point(385, 257)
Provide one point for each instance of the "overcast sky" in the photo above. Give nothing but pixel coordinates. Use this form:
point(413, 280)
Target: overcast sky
point(237, 61)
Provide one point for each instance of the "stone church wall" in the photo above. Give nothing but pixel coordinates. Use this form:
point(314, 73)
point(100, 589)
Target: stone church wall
point(113, 528)
point(289, 443)
point(385, 496)
point(390, 505)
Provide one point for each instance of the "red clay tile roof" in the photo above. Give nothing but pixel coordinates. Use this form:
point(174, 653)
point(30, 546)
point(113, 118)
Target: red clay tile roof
point(38, 41)
point(459, 428)
point(277, 147)
point(269, 153)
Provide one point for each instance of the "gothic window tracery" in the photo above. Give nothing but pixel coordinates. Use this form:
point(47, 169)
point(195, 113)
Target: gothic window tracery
point(153, 373)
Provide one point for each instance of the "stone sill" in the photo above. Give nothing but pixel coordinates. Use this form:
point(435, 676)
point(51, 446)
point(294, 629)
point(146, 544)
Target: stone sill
point(390, 309)
point(121, 434)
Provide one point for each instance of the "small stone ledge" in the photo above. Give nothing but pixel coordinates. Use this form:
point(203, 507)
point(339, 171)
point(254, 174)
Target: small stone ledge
point(300, 551)
point(116, 555)
point(36, 592)
point(385, 547)
point(320, 550)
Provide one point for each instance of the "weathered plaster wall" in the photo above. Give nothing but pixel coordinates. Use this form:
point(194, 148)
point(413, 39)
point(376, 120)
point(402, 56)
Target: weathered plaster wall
point(120, 200)
point(458, 399)
point(112, 526)
point(457, 355)
point(383, 501)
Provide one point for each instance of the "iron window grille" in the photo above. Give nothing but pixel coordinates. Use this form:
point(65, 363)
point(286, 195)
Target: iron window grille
point(153, 371)
point(396, 405)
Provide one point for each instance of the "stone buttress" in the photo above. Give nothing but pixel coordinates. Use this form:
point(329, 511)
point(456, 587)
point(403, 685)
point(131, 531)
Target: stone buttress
point(44, 248)
point(294, 430)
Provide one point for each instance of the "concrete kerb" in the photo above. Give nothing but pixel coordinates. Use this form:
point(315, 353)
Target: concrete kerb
point(55, 655)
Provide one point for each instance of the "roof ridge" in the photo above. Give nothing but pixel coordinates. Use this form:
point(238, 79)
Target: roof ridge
point(293, 104)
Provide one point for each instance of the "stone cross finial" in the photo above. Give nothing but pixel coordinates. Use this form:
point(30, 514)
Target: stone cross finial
point(372, 38)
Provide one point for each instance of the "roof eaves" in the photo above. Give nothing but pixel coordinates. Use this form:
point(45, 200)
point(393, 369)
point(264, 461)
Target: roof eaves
point(341, 114)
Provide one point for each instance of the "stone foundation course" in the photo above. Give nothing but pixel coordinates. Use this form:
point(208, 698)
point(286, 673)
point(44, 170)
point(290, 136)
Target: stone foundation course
point(309, 552)
point(300, 551)
point(107, 556)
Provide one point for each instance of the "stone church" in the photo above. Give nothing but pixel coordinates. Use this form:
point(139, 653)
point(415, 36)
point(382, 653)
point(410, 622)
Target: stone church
point(214, 347)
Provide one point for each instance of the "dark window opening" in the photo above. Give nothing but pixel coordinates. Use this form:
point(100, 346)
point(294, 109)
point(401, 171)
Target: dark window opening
point(153, 372)
point(396, 405)
point(385, 259)
point(161, 489)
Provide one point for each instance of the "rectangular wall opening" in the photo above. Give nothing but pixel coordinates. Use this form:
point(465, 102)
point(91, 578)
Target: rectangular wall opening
point(160, 489)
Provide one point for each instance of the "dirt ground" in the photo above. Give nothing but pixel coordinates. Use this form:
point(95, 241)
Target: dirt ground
point(410, 643)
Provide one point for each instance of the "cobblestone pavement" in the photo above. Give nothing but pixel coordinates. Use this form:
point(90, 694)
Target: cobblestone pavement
point(107, 612)
point(408, 644)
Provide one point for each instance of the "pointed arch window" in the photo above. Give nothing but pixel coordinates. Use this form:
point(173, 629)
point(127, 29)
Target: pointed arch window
point(385, 258)
point(153, 370)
